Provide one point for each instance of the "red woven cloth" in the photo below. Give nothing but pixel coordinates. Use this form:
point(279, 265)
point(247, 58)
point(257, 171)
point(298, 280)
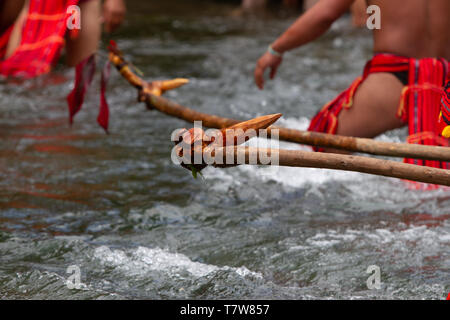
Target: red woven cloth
point(444, 117)
point(42, 39)
point(419, 106)
point(446, 104)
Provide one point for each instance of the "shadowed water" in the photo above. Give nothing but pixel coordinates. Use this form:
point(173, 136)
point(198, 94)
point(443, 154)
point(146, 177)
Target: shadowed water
point(138, 226)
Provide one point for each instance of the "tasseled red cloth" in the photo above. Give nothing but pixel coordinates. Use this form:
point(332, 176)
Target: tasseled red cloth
point(103, 115)
point(444, 117)
point(84, 73)
point(420, 102)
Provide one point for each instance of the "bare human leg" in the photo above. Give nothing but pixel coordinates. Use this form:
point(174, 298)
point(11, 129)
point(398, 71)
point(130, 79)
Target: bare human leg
point(16, 34)
point(374, 109)
point(88, 39)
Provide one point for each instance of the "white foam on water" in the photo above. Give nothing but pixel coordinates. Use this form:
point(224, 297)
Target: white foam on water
point(386, 138)
point(287, 176)
point(297, 177)
point(387, 188)
point(226, 178)
point(301, 123)
point(142, 260)
point(425, 239)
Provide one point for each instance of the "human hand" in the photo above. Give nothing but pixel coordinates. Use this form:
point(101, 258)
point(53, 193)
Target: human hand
point(267, 60)
point(113, 14)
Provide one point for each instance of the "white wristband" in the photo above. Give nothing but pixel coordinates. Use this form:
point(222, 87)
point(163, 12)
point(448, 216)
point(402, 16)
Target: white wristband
point(273, 52)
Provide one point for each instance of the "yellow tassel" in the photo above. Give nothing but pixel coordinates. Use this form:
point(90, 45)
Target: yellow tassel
point(446, 132)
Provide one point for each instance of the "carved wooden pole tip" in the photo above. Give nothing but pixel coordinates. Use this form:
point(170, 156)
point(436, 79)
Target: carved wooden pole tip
point(158, 88)
point(195, 140)
point(173, 84)
point(262, 122)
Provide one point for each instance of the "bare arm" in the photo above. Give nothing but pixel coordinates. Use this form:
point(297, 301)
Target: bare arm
point(307, 28)
point(312, 24)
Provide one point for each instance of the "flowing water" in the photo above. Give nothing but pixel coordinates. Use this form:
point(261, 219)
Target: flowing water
point(137, 226)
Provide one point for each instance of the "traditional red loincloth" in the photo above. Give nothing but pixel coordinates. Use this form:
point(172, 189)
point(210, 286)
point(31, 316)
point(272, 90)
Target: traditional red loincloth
point(42, 39)
point(444, 117)
point(419, 105)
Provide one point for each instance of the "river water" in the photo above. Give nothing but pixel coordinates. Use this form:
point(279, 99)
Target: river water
point(139, 227)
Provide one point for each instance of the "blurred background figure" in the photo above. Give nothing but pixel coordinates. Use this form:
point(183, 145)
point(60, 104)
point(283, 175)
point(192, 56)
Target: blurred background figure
point(33, 33)
point(259, 6)
point(291, 3)
point(253, 5)
point(113, 14)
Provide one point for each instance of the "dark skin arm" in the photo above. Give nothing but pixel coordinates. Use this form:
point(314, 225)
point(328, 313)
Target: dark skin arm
point(311, 25)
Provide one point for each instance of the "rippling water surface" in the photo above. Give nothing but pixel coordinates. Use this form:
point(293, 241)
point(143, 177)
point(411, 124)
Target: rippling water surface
point(138, 226)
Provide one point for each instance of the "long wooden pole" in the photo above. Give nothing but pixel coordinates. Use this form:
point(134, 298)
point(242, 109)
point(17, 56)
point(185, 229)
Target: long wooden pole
point(150, 94)
point(298, 158)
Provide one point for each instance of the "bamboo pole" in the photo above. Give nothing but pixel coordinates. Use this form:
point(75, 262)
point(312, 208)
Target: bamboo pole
point(150, 93)
point(298, 158)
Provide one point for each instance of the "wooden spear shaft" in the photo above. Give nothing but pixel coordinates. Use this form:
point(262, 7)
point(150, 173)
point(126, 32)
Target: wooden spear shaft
point(351, 144)
point(298, 158)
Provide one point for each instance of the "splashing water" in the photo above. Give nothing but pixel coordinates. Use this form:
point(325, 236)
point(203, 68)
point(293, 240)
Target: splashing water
point(138, 226)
